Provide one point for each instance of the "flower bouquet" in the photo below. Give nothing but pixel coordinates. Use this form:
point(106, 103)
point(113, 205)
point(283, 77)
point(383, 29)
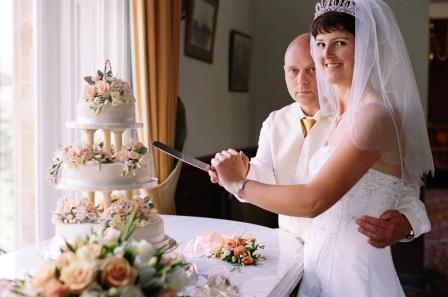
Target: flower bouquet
point(106, 265)
point(103, 88)
point(238, 251)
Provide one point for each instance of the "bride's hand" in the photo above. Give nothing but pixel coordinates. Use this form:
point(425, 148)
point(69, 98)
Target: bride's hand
point(230, 167)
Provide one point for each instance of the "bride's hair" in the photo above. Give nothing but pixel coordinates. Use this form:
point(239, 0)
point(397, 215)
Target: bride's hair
point(332, 21)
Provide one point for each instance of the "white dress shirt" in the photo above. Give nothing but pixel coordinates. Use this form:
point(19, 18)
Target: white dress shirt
point(284, 153)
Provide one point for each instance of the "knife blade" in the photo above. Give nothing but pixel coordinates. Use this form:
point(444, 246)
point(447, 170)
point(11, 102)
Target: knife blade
point(181, 156)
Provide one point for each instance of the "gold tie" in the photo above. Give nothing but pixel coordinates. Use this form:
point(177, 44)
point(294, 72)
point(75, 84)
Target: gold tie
point(307, 124)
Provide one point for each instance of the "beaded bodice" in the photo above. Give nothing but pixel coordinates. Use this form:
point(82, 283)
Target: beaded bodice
point(374, 193)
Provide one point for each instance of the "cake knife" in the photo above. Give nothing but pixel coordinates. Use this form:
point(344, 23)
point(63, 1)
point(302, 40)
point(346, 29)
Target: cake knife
point(181, 156)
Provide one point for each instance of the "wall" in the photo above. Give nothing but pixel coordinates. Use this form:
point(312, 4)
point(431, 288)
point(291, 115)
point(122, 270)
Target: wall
point(218, 119)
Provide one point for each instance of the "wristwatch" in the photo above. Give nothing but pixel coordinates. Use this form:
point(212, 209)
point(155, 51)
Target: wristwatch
point(240, 186)
point(410, 235)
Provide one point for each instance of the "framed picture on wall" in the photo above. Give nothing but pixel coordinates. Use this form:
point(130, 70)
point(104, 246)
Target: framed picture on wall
point(240, 53)
point(200, 29)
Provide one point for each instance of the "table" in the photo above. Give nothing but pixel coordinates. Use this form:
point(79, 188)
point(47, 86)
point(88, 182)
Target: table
point(276, 276)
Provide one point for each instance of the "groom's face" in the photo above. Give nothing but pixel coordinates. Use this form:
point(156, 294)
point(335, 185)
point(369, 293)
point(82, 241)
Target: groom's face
point(300, 74)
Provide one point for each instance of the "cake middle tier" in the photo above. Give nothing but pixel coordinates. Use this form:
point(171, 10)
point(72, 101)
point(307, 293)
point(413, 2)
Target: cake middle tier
point(102, 177)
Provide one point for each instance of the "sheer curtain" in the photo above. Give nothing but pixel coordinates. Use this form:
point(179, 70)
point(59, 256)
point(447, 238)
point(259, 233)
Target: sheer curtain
point(74, 39)
point(17, 129)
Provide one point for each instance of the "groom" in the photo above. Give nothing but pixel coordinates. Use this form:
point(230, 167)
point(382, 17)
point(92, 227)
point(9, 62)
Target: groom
point(290, 136)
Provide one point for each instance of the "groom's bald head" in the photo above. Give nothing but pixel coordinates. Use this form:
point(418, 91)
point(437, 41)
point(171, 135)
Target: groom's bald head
point(299, 74)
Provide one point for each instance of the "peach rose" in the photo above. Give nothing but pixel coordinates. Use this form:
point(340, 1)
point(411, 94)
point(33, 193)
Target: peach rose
point(63, 260)
point(54, 288)
point(72, 152)
point(231, 245)
point(89, 252)
point(78, 275)
point(116, 272)
point(248, 260)
point(86, 154)
point(137, 145)
point(103, 87)
point(123, 155)
point(89, 92)
point(239, 251)
point(44, 275)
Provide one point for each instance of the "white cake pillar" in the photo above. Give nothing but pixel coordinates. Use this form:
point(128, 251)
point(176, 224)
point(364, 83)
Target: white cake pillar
point(106, 139)
point(90, 141)
point(91, 197)
point(107, 199)
point(90, 137)
point(118, 139)
point(128, 195)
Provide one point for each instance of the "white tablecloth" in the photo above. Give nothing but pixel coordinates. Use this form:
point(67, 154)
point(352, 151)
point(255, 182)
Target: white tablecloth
point(276, 276)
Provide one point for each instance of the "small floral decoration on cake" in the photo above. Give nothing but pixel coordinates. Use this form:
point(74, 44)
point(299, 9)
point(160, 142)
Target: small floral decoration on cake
point(103, 88)
point(133, 157)
point(75, 156)
point(106, 264)
point(75, 211)
point(118, 213)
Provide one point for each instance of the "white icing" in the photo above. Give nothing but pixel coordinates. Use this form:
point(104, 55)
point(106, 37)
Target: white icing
point(104, 175)
point(123, 113)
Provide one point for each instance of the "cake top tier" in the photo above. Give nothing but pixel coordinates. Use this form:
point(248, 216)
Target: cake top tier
point(103, 88)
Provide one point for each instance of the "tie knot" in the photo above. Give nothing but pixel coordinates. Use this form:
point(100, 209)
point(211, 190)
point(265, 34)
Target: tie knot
point(307, 124)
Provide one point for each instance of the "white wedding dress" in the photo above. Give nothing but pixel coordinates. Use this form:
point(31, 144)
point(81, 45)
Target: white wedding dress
point(339, 262)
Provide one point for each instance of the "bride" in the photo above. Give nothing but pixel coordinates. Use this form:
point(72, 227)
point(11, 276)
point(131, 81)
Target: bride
point(378, 143)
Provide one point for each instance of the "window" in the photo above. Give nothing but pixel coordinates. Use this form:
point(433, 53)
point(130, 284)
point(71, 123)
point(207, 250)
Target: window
point(17, 129)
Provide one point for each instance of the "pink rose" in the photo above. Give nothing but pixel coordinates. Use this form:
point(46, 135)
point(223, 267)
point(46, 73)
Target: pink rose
point(103, 87)
point(167, 292)
point(86, 154)
point(53, 288)
point(116, 272)
point(4, 285)
point(72, 153)
point(89, 92)
point(77, 276)
point(123, 155)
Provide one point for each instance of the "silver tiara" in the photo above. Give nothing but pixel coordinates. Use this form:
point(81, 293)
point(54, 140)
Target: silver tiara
point(345, 6)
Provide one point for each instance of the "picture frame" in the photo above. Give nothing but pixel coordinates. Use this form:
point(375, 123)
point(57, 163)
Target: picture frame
point(200, 29)
point(240, 53)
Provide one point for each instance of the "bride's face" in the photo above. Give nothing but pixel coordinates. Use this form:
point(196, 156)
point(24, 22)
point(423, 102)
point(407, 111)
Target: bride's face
point(336, 56)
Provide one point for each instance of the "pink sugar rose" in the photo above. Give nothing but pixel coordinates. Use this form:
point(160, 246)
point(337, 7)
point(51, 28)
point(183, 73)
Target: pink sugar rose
point(123, 155)
point(72, 153)
point(86, 154)
point(103, 87)
point(89, 92)
point(53, 288)
point(137, 145)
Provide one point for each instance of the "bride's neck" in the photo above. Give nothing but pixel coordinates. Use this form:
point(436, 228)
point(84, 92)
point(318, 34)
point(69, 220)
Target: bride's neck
point(342, 93)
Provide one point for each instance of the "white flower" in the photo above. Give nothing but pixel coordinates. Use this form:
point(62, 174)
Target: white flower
point(134, 155)
point(115, 95)
point(177, 280)
point(119, 251)
point(115, 102)
point(111, 236)
point(131, 291)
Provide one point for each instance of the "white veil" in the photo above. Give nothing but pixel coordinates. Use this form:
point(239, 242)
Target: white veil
point(382, 67)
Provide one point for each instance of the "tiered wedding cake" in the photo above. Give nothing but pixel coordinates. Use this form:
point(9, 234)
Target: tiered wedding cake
point(109, 167)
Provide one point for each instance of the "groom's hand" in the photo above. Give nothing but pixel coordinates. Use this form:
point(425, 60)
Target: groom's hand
point(386, 230)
